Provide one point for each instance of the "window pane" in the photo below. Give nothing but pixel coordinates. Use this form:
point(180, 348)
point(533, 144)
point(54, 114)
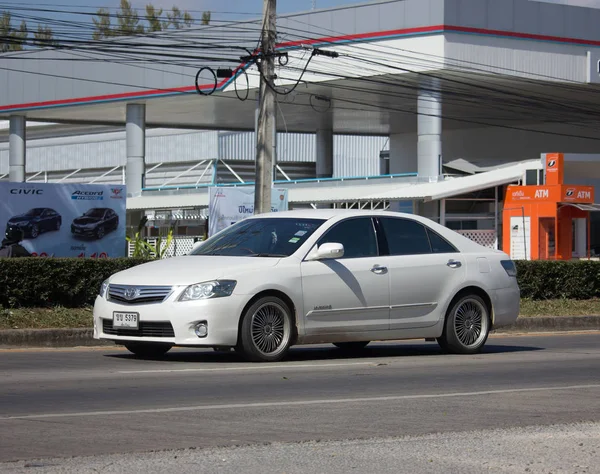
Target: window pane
point(405, 237)
point(356, 235)
point(439, 244)
point(268, 237)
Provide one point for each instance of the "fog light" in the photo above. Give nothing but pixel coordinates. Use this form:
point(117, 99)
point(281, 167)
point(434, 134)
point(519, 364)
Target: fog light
point(201, 329)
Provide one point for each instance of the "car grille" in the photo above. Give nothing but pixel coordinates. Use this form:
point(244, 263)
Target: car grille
point(146, 329)
point(129, 294)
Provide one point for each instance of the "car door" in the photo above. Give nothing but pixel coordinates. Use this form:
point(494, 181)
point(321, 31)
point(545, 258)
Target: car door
point(45, 220)
point(425, 269)
point(349, 294)
point(113, 219)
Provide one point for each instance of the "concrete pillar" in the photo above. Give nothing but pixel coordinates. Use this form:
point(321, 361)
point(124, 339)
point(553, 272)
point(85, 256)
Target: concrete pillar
point(429, 130)
point(324, 143)
point(135, 131)
point(16, 148)
point(403, 153)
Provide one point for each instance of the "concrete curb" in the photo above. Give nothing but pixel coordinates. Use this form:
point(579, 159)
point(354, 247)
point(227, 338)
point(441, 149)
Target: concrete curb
point(15, 338)
point(551, 324)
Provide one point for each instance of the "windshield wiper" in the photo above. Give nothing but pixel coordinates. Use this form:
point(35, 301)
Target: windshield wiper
point(279, 255)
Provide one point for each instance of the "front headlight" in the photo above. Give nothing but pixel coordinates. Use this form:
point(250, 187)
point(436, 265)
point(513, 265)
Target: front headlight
point(103, 288)
point(207, 290)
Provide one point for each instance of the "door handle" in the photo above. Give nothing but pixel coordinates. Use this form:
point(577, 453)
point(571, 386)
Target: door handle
point(379, 270)
point(454, 264)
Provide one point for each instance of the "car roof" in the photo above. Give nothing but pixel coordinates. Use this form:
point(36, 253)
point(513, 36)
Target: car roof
point(327, 214)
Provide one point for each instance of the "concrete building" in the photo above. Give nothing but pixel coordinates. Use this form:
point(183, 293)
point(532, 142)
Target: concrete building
point(460, 87)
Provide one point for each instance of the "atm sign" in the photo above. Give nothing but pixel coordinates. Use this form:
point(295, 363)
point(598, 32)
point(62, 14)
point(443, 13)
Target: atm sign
point(578, 194)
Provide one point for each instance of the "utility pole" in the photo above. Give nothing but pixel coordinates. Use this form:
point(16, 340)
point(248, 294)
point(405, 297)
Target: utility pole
point(314, 4)
point(265, 143)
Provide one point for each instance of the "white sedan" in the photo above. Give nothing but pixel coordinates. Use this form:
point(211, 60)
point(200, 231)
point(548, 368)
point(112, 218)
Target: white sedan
point(304, 277)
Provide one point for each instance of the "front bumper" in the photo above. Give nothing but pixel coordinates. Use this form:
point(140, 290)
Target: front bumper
point(222, 316)
point(13, 230)
point(83, 231)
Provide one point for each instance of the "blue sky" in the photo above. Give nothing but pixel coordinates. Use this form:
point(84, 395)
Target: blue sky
point(224, 10)
point(221, 9)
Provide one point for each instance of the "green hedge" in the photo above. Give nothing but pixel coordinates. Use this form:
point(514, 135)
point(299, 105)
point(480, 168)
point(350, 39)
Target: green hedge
point(73, 283)
point(47, 282)
point(544, 280)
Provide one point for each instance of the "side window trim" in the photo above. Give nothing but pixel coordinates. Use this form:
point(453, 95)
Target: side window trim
point(383, 247)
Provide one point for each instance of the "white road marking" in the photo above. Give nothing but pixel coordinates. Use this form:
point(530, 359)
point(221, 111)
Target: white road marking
point(254, 367)
point(328, 401)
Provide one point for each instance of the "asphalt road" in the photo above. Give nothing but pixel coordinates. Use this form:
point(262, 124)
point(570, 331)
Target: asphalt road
point(82, 402)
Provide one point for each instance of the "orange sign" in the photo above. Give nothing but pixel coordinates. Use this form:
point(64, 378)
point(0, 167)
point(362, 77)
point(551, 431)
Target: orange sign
point(533, 193)
point(582, 194)
point(554, 168)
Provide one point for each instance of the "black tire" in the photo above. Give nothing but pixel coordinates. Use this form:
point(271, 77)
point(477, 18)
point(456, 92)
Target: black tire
point(351, 346)
point(148, 350)
point(34, 232)
point(99, 232)
point(467, 326)
point(58, 224)
point(266, 330)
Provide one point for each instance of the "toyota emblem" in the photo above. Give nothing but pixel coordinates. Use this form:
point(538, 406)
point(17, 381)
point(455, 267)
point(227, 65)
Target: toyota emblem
point(131, 293)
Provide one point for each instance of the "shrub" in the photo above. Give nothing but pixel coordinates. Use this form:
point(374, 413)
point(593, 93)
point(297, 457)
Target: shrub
point(49, 282)
point(543, 280)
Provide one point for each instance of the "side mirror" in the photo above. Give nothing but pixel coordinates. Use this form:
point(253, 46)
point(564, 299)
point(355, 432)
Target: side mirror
point(328, 250)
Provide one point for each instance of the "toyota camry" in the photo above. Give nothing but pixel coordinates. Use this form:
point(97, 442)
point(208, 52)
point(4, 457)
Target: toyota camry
point(276, 280)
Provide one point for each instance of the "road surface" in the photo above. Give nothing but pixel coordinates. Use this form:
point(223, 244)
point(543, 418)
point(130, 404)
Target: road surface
point(97, 402)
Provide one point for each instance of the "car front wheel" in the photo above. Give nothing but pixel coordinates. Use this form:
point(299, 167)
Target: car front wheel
point(148, 350)
point(100, 232)
point(266, 331)
point(35, 231)
point(467, 326)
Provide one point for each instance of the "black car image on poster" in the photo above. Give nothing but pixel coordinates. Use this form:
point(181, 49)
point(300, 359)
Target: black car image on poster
point(96, 223)
point(33, 223)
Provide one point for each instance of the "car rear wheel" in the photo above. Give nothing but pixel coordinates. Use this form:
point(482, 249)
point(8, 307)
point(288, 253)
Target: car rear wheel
point(148, 349)
point(467, 326)
point(266, 331)
point(351, 346)
point(100, 232)
point(35, 231)
point(58, 224)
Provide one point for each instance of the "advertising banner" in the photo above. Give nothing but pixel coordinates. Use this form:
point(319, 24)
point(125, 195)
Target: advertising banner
point(63, 220)
point(230, 205)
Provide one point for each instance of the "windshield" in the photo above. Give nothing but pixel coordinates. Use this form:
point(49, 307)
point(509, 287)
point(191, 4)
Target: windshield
point(95, 213)
point(266, 237)
point(35, 212)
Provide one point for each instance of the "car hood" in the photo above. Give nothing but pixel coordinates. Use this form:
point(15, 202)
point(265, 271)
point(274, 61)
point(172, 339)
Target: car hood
point(190, 269)
point(86, 220)
point(20, 218)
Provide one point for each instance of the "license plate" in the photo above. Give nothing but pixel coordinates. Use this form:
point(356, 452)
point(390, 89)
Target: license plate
point(126, 320)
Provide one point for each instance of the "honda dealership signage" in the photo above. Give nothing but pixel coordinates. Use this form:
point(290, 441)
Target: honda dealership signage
point(230, 205)
point(64, 220)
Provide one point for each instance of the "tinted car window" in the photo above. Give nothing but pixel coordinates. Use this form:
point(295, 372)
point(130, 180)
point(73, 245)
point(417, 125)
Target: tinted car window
point(261, 237)
point(405, 236)
point(356, 235)
point(439, 244)
point(98, 213)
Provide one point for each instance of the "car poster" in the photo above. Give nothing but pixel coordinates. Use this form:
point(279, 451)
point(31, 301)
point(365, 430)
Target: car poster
point(230, 205)
point(63, 220)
